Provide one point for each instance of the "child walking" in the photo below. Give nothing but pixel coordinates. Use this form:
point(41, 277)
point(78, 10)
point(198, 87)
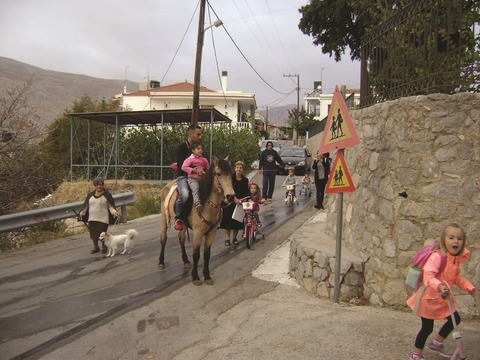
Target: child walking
point(430, 304)
point(291, 180)
point(195, 166)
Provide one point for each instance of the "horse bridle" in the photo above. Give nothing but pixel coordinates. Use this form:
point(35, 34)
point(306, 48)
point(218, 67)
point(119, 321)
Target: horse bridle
point(219, 191)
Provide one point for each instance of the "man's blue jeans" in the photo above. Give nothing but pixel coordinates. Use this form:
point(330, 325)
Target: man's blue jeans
point(183, 192)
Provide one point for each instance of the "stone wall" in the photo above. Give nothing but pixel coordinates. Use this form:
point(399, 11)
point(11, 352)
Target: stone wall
point(312, 263)
point(428, 147)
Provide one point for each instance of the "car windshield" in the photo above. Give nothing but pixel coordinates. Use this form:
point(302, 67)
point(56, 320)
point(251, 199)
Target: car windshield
point(293, 152)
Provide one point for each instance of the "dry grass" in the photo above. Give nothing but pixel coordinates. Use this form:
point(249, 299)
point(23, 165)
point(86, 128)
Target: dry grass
point(147, 202)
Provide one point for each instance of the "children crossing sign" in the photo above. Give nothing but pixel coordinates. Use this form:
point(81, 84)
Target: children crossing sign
point(339, 130)
point(339, 179)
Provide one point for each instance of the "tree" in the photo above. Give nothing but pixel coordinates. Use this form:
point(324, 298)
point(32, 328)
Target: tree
point(56, 145)
point(301, 120)
point(338, 24)
point(24, 175)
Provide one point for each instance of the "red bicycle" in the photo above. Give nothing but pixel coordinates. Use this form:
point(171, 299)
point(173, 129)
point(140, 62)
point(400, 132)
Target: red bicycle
point(250, 222)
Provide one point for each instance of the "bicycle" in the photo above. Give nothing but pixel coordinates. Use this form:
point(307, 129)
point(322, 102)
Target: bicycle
point(250, 222)
point(290, 195)
point(306, 190)
point(459, 353)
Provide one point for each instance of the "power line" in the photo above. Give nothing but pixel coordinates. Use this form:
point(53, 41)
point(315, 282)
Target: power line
point(245, 58)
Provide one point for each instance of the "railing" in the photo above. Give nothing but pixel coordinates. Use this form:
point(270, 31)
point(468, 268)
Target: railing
point(21, 220)
point(429, 46)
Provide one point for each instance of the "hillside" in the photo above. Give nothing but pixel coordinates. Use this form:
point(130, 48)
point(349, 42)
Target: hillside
point(53, 91)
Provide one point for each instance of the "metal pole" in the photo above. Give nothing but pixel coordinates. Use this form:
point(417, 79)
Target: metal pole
point(338, 244)
point(198, 64)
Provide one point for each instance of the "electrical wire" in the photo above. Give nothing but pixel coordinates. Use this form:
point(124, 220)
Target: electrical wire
point(248, 62)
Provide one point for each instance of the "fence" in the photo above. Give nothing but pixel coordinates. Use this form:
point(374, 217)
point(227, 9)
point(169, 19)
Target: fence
point(21, 220)
point(429, 46)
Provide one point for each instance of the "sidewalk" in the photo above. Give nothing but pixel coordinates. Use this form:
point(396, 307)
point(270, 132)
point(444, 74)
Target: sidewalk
point(265, 316)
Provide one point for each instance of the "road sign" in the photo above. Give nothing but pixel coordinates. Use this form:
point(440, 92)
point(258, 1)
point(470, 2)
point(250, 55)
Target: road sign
point(339, 130)
point(339, 179)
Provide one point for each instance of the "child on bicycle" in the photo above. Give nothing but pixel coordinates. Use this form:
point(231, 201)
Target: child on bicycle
point(255, 197)
point(291, 180)
point(431, 305)
point(307, 184)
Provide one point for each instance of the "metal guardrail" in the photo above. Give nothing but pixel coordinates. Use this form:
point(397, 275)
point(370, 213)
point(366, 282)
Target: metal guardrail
point(24, 219)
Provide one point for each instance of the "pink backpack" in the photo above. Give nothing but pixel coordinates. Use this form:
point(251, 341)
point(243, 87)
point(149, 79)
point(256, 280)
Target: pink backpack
point(415, 272)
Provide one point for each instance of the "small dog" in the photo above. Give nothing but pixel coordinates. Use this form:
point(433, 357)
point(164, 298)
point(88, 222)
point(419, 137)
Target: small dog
point(113, 241)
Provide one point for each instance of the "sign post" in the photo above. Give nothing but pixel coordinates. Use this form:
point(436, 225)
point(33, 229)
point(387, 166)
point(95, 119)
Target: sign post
point(339, 133)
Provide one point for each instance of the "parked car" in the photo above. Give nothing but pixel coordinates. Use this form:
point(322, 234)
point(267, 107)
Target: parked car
point(276, 146)
point(298, 158)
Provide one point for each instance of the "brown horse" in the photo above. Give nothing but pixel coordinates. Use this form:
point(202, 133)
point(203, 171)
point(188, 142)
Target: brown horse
point(215, 186)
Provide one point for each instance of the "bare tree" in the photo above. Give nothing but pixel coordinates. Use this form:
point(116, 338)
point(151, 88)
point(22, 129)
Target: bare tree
point(23, 175)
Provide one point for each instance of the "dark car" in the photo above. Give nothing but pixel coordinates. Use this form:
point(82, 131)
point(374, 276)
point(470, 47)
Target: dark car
point(295, 157)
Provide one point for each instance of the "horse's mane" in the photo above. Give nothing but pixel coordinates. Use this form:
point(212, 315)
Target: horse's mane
point(206, 183)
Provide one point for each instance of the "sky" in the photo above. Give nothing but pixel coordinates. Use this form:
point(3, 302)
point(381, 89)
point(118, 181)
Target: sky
point(259, 44)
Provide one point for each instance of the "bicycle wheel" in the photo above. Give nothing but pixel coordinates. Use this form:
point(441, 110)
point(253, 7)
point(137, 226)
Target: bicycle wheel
point(248, 235)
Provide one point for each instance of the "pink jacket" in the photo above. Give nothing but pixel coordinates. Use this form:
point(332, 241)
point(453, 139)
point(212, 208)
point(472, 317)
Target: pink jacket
point(431, 305)
point(192, 162)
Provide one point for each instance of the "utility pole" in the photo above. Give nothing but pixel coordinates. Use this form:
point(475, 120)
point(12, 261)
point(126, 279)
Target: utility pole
point(198, 65)
point(295, 134)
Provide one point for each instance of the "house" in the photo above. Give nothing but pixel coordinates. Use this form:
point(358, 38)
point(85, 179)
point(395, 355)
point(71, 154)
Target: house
point(318, 103)
point(237, 106)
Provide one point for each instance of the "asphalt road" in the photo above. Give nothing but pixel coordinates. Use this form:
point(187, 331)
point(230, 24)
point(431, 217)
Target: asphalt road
point(52, 293)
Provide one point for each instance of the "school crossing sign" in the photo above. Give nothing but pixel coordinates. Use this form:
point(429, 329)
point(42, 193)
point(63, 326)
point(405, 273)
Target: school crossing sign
point(339, 179)
point(339, 130)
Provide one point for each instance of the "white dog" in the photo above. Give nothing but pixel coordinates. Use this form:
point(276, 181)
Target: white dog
point(113, 241)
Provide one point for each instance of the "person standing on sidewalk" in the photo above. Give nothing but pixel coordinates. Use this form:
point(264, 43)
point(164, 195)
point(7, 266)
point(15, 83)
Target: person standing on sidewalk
point(321, 166)
point(268, 167)
point(182, 152)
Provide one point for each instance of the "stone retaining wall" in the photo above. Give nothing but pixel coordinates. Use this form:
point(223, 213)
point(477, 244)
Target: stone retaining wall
point(428, 147)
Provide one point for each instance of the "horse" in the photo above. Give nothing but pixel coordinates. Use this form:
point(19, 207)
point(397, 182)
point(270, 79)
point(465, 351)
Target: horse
point(215, 186)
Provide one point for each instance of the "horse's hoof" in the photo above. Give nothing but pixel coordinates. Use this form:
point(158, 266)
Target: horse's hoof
point(187, 266)
point(197, 282)
point(161, 266)
point(208, 282)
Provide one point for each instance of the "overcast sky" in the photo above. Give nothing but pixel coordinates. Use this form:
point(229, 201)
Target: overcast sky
point(143, 38)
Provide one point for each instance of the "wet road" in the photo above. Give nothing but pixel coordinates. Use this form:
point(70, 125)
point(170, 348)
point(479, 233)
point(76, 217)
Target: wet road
point(54, 292)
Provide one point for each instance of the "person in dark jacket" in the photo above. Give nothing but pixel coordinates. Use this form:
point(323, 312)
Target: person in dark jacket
point(182, 152)
point(96, 209)
point(321, 166)
point(268, 167)
point(240, 186)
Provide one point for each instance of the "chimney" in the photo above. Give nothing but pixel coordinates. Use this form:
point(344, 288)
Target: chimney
point(224, 80)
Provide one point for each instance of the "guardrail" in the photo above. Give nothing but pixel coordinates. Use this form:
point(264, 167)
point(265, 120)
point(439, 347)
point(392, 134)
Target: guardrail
point(24, 219)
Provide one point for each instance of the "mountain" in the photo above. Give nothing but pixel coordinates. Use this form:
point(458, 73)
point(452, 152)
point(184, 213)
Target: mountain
point(53, 92)
point(277, 115)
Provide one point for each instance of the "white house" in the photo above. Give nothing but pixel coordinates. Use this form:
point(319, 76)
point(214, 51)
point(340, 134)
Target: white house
point(318, 103)
point(235, 105)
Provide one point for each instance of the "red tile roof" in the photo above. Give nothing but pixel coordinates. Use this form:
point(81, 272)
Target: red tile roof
point(185, 86)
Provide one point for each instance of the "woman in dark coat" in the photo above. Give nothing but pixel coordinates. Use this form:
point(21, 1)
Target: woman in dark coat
point(321, 167)
point(240, 186)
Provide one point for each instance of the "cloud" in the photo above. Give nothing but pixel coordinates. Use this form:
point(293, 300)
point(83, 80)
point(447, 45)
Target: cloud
point(113, 39)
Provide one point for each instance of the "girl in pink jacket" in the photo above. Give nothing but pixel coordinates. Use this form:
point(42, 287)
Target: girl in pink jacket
point(195, 166)
point(427, 301)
